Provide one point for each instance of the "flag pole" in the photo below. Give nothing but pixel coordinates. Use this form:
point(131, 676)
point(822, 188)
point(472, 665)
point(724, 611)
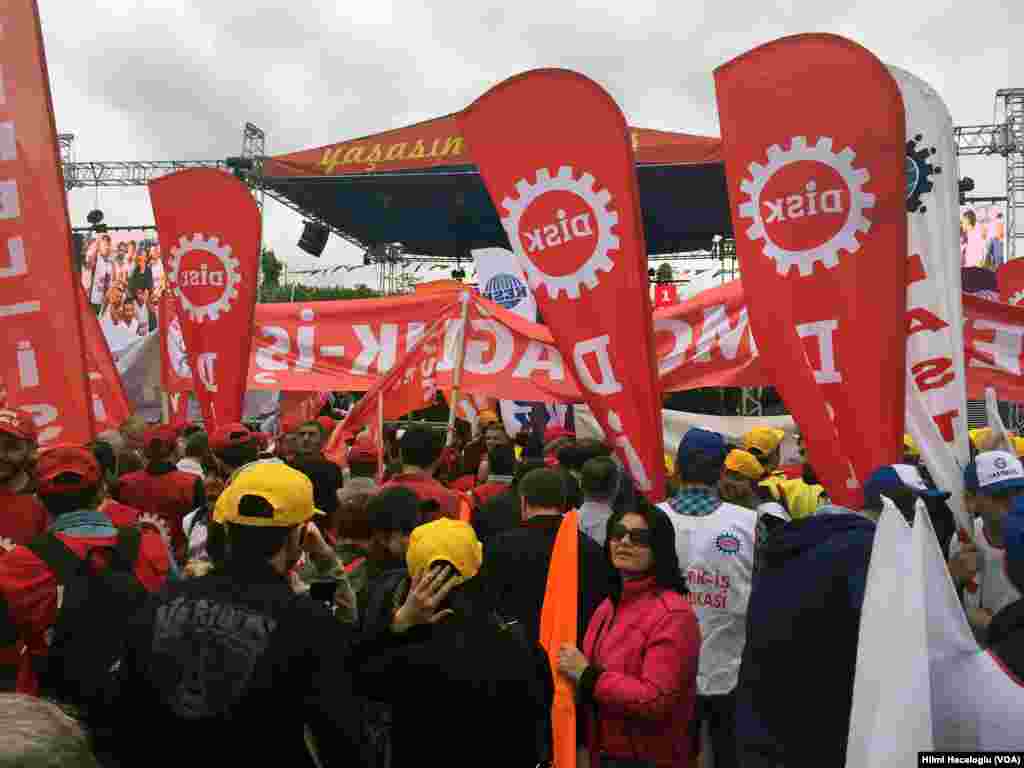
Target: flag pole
point(380, 437)
point(460, 359)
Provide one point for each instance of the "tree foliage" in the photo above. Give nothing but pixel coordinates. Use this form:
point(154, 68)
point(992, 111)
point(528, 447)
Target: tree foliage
point(664, 273)
point(272, 268)
point(275, 294)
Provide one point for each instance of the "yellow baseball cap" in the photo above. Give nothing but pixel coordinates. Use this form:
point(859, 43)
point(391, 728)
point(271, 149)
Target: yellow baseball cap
point(1018, 445)
point(909, 446)
point(981, 438)
point(445, 540)
point(764, 439)
point(288, 492)
point(745, 464)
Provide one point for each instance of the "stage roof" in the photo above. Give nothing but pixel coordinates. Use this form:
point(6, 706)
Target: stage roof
point(418, 185)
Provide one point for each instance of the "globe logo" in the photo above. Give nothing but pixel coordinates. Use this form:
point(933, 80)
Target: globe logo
point(505, 290)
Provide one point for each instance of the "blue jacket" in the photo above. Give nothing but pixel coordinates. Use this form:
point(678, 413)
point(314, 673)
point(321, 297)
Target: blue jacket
point(796, 680)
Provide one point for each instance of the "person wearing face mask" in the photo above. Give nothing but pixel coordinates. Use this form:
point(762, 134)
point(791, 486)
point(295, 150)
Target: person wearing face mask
point(637, 673)
point(234, 660)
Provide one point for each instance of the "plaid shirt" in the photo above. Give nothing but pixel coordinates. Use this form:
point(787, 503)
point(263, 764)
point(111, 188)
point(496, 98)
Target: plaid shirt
point(695, 502)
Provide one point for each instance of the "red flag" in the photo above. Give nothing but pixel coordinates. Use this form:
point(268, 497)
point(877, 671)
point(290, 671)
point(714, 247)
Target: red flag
point(109, 402)
point(42, 358)
point(555, 153)
point(814, 145)
point(213, 226)
point(665, 295)
point(408, 386)
point(1010, 277)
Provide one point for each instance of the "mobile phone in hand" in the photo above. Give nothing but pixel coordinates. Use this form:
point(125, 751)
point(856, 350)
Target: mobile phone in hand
point(323, 591)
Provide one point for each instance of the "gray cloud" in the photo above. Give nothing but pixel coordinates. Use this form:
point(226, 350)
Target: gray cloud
point(177, 80)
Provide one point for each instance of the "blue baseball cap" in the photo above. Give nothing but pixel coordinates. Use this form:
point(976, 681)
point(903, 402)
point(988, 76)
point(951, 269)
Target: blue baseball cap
point(711, 444)
point(994, 471)
point(892, 477)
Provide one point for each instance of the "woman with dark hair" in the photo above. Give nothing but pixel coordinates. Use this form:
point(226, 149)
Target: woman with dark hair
point(637, 674)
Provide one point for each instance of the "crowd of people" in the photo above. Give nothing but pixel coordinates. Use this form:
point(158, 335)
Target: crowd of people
point(124, 284)
point(172, 595)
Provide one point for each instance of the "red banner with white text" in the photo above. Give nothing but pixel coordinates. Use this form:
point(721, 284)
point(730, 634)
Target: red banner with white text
point(210, 226)
point(106, 390)
point(42, 356)
point(571, 210)
point(410, 385)
point(813, 135)
point(703, 342)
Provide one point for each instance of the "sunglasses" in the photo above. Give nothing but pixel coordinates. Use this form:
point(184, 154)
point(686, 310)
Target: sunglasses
point(640, 537)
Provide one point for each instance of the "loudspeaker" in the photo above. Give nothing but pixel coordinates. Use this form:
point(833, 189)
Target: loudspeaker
point(314, 238)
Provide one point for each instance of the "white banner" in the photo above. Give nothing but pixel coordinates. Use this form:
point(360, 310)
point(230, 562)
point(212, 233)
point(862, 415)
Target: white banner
point(936, 379)
point(922, 683)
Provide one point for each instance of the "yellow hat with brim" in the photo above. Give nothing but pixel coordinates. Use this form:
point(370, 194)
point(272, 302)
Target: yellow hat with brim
point(980, 438)
point(909, 446)
point(288, 493)
point(764, 439)
point(745, 464)
point(445, 540)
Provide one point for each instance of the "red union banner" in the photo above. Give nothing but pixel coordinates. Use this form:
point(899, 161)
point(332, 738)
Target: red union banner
point(813, 135)
point(211, 227)
point(42, 360)
point(571, 210)
point(109, 403)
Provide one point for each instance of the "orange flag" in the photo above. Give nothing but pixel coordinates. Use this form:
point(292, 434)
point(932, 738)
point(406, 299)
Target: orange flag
point(558, 625)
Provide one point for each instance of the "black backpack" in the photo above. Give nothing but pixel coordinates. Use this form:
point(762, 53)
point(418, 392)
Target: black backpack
point(88, 639)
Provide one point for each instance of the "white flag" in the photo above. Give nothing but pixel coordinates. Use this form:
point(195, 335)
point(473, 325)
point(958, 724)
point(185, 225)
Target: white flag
point(936, 379)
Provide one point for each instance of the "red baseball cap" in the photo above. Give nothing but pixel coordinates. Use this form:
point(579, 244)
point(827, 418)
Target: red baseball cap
point(162, 433)
point(326, 423)
point(76, 466)
point(17, 424)
point(230, 435)
point(364, 450)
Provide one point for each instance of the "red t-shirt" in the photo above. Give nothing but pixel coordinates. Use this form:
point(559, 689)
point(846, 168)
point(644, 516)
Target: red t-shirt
point(29, 589)
point(22, 518)
point(166, 495)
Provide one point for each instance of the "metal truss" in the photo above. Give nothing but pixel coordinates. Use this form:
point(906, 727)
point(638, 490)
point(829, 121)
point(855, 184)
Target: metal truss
point(117, 173)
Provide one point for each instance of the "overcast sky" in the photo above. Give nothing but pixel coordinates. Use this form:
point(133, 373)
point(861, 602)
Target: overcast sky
point(160, 80)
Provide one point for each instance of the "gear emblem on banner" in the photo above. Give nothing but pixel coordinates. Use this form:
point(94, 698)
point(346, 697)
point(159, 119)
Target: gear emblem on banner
point(212, 246)
point(151, 520)
point(856, 222)
point(919, 173)
point(607, 241)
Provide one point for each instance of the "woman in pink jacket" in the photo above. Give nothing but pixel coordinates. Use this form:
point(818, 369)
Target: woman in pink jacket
point(637, 674)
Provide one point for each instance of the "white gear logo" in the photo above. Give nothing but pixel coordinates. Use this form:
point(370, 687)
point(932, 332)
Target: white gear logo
point(606, 220)
point(1017, 298)
point(845, 239)
point(147, 518)
point(201, 312)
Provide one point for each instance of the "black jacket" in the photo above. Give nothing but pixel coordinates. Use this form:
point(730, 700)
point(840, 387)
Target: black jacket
point(228, 669)
point(498, 514)
point(515, 572)
point(449, 684)
point(1006, 637)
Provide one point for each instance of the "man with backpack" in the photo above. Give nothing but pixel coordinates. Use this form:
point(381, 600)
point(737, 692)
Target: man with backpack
point(51, 590)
